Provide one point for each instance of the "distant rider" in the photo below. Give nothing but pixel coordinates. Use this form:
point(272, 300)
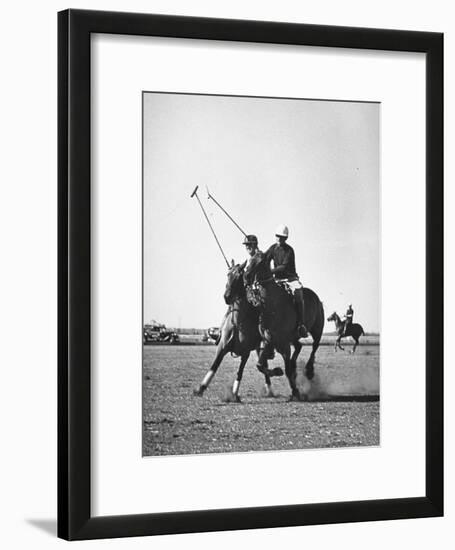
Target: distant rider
point(283, 258)
point(347, 319)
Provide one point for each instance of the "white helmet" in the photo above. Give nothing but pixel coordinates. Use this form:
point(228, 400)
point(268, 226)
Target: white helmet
point(282, 231)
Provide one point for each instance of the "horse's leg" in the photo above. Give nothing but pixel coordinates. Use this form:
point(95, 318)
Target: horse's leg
point(309, 368)
point(356, 343)
point(339, 343)
point(297, 348)
point(268, 387)
point(262, 365)
point(238, 379)
point(268, 382)
point(290, 369)
point(220, 353)
point(316, 333)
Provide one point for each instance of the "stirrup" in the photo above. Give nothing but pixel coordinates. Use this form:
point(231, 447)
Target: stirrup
point(302, 330)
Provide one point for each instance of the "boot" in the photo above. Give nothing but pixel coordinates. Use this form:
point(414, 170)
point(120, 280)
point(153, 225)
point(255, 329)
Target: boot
point(299, 303)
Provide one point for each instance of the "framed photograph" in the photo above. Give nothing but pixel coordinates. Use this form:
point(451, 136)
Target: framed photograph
point(250, 274)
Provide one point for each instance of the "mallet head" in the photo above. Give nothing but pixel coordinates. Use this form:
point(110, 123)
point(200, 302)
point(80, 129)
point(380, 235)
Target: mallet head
point(194, 192)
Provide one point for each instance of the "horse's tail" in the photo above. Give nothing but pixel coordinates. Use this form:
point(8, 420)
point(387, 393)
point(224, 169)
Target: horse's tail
point(317, 315)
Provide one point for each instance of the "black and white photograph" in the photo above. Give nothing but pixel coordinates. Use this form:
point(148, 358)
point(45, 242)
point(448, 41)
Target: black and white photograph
point(261, 274)
point(225, 240)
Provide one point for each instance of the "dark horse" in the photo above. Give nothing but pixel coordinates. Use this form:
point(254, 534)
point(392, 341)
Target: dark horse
point(278, 327)
point(239, 334)
point(355, 330)
point(278, 323)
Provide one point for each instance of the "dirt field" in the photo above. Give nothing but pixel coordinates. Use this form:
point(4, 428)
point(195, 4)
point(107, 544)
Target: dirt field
point(342, 411)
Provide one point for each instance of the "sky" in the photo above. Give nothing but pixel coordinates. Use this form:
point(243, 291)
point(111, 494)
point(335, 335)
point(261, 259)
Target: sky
point(309, 164)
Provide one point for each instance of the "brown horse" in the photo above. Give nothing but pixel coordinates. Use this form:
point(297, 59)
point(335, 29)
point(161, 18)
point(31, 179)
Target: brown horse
point(239, 335)
point(354, 330)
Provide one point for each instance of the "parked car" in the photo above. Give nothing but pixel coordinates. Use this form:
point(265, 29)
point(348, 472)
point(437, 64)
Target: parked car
point(213, 333)
point(157, 332)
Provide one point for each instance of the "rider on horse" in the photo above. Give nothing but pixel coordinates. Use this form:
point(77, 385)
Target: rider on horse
point(347, 319)
point(284, 271)
point(256, 268)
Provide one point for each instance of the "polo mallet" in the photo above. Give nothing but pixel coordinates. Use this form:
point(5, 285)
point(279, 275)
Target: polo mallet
point(209, 196)
point(194, 193)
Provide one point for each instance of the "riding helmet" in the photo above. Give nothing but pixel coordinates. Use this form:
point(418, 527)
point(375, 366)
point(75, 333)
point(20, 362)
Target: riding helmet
point(250, 239)
point(282, 231)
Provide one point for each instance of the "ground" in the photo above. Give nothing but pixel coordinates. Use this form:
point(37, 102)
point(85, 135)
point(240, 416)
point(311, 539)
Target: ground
point(342, 411)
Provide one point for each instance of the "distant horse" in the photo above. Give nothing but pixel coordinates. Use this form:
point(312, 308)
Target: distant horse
point(355, 330)
point(239, 334)
point(278, 325)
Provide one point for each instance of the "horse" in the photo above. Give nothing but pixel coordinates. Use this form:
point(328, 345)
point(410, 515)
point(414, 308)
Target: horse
point(239, 335)
point(278, 324)
point(355, 330)
point(279, 328)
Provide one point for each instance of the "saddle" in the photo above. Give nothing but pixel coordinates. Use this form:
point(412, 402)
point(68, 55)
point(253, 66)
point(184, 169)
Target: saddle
point(255, 292)
point(285, 286)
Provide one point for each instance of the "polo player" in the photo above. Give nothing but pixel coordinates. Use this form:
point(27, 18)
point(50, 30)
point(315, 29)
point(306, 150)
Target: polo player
point(256, 269)
point(347, 319)
point(283, 258)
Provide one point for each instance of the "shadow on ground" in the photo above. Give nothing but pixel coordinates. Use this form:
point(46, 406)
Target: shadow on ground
point(347, 399)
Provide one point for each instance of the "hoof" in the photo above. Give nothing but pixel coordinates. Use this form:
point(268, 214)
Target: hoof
point(294, 398)
point(277, 371)
point(266, 391)
point(230, 397)
point(199, 392)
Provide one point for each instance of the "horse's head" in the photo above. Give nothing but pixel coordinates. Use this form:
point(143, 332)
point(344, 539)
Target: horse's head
point(234, 286)
point(333, 317)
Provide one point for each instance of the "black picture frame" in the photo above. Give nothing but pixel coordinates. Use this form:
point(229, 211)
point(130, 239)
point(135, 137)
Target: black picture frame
point(75, 521)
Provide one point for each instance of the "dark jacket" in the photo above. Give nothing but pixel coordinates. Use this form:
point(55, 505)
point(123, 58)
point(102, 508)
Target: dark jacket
point(283, 261)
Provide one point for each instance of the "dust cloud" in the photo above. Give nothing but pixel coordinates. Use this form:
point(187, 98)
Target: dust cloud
point(336, 383)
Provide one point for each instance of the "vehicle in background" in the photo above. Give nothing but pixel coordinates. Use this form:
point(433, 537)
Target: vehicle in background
point(213, 333)
point(157, 332)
